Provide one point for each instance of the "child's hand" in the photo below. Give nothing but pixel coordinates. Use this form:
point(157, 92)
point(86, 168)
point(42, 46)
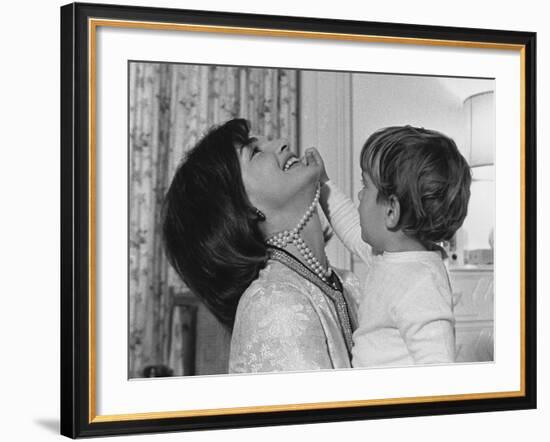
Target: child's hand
point(313, 154)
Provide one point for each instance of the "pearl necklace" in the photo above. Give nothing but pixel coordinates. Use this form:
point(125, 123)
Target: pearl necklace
point(282, 239)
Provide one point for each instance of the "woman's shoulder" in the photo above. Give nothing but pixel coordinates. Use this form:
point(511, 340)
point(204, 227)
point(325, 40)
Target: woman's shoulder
point(276, 284)
point(276, 303)
point(277, 327)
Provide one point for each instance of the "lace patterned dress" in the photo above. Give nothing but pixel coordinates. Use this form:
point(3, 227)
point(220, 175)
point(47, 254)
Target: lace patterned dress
point(285, 322)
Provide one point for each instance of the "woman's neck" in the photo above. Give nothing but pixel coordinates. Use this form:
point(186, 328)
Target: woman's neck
point(312, 234)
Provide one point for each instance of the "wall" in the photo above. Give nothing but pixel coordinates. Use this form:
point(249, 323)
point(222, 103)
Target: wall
point(30, 223)
point(325, 118)
point(387, 100)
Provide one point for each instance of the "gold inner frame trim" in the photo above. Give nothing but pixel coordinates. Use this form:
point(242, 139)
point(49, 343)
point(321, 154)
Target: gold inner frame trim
point(298, 407)
point(92, 28)
point(299, 34)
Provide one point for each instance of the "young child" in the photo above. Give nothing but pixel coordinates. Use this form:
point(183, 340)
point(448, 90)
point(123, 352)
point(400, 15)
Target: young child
point(416, 187)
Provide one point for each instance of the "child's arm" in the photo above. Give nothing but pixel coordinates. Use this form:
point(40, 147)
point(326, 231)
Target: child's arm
point(344, 219)
point(425, 320)
point(342, 214)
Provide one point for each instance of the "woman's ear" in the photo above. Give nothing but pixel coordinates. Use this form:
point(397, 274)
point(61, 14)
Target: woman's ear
point(393, 212)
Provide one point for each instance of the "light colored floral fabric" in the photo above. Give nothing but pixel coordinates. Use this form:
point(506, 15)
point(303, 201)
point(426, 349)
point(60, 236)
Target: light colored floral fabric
point(286, 323)
point(170, 108)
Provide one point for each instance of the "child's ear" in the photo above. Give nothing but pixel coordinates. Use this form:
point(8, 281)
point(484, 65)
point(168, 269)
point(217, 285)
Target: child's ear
point(393, 212)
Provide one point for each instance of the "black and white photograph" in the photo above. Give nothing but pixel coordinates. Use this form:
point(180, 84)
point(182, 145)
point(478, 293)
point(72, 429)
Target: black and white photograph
point(291, 220)
point(274, 220)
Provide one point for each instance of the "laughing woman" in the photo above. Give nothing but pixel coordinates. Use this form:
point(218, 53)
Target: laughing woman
point(241, 228)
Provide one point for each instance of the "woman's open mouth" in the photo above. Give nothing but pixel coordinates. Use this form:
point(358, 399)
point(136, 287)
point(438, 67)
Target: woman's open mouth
point(290, 162)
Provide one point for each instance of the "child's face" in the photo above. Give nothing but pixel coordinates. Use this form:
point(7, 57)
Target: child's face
point(372, 215)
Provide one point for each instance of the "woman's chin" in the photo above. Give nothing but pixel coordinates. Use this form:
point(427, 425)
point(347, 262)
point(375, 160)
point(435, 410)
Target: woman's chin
point(311, 172)
point(311, 180)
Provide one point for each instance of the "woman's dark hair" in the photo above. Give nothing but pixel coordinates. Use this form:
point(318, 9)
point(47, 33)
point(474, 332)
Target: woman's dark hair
point(210, 230)
point(426, 172)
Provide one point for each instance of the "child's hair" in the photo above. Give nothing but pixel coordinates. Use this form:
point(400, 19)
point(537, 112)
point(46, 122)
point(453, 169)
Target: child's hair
point(428, 175)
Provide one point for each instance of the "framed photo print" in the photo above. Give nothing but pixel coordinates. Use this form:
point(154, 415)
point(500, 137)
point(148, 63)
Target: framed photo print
point(275, 220)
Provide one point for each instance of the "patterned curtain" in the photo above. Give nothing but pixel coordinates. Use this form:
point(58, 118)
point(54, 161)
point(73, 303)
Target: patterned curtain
point(171, 107)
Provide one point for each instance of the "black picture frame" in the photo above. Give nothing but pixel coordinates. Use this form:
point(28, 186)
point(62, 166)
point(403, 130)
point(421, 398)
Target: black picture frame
point(76, 406)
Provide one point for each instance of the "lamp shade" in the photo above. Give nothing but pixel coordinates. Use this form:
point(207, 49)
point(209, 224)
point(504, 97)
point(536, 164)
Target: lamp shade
point(479, 110)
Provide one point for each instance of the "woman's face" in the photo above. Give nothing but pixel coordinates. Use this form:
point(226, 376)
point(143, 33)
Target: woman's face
point(274, 178)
